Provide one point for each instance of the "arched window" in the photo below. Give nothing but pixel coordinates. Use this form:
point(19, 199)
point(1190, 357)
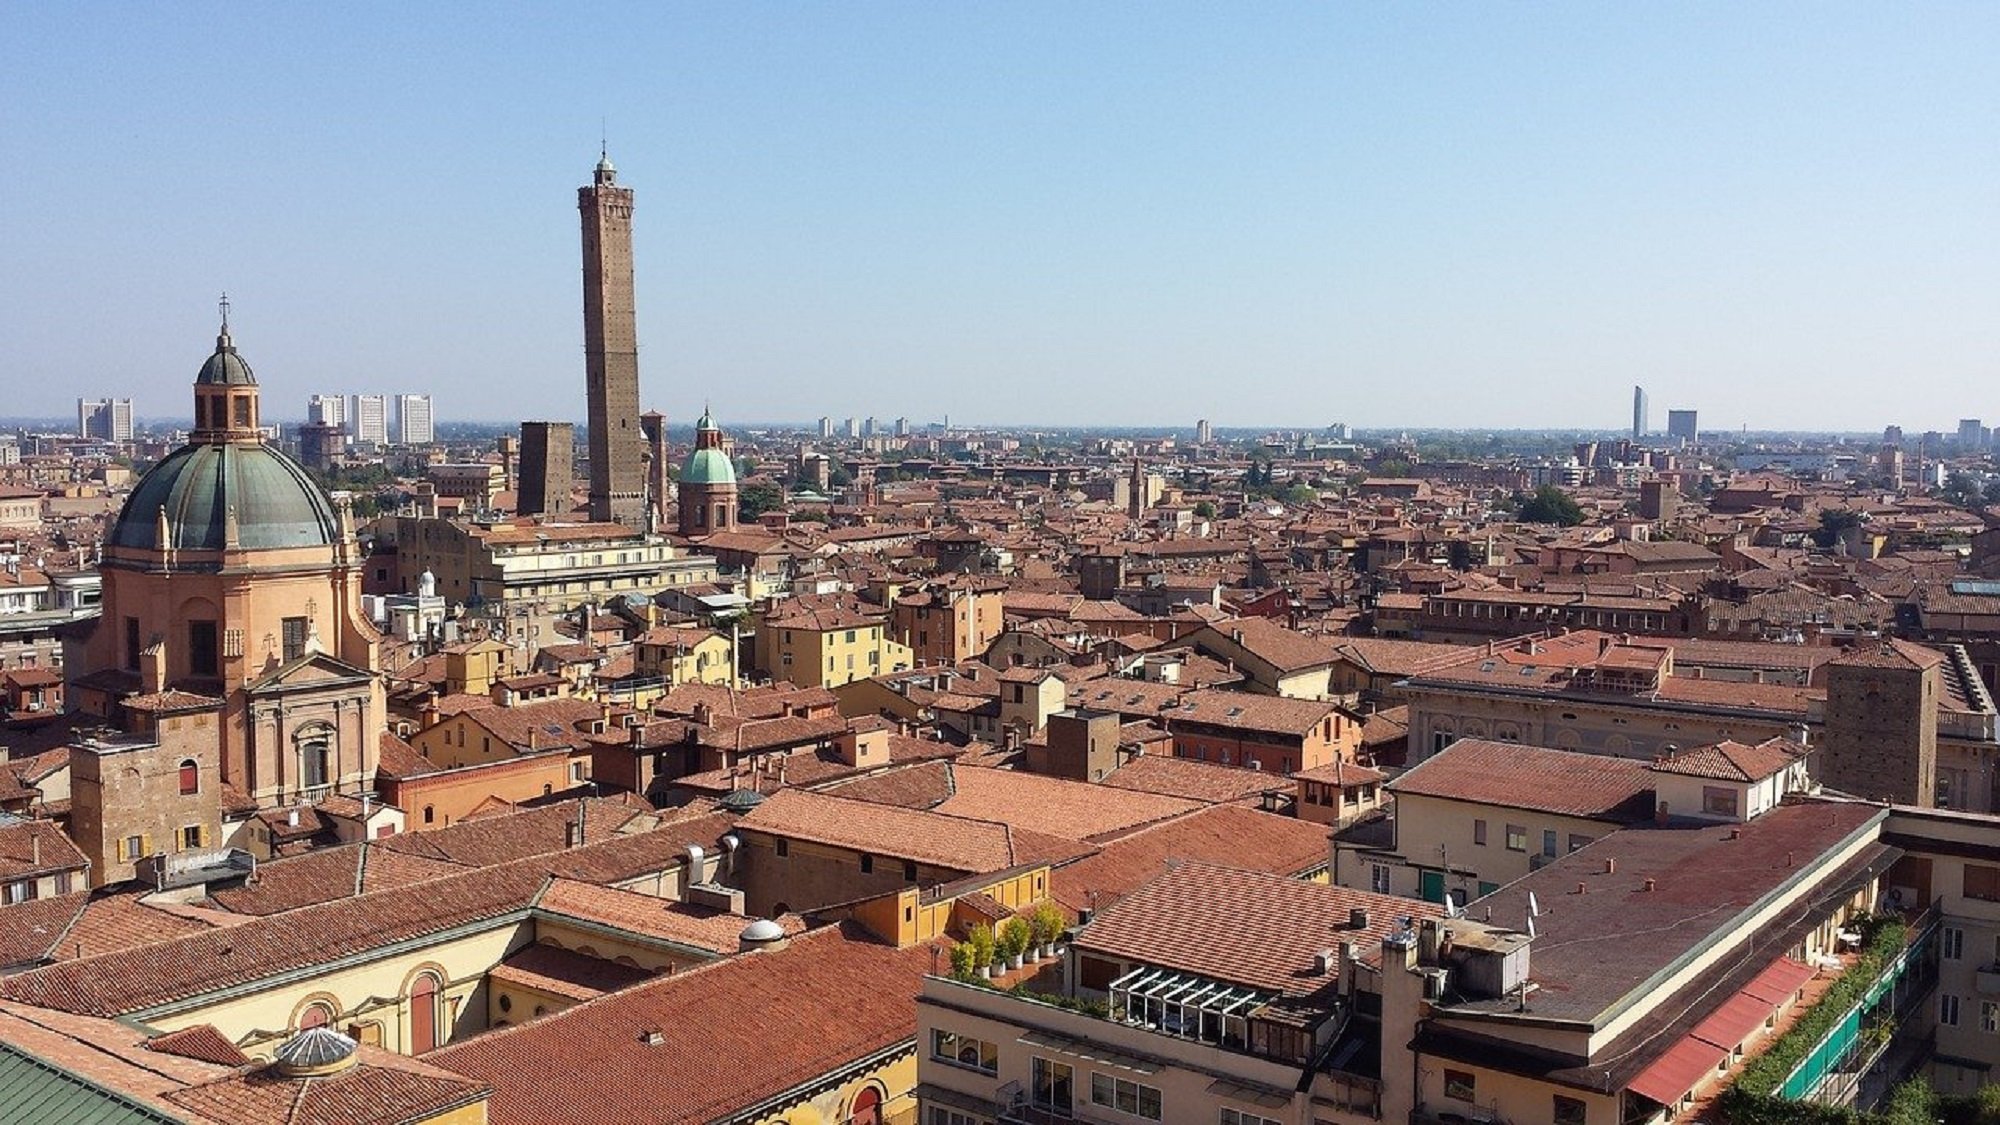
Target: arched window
point(190, 777)
point(867, 1107)
point(314, 745)
point(430, 813)
point(423, 1014)
point(315, 1014)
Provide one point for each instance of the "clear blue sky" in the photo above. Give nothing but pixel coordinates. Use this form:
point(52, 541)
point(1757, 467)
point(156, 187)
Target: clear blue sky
point(1262, 214)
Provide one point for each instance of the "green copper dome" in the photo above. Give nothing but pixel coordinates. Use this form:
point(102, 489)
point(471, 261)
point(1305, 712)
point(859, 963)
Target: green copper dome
point(708, 466)
point(225, 367)
point(276, 503)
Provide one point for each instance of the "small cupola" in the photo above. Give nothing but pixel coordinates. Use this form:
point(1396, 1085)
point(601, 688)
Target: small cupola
point(225, 393)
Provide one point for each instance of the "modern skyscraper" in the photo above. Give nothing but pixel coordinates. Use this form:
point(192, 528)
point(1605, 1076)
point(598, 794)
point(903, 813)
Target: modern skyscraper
point(1971, 434)
point(368, 419)
point(854, 427)
point(548, 455)
point(1681, 424)
point(611, 350)
point(414, 422)
point(1638, 413)
point(327, 410)
point(825, 426)
point(106, 418)
point(1203, 432)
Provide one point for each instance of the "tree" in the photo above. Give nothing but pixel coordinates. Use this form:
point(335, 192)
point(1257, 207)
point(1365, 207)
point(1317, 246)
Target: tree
point(1299, 495)
point(1960, 490)
point(1834, 523)
point(1204, 510)
point(756, 499)
point(1550, 504)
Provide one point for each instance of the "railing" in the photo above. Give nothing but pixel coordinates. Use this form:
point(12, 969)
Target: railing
point(1834, 1070)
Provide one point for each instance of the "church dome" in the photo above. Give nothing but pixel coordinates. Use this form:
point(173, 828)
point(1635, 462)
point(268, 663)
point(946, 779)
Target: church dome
point(708, 464)
point(225, 367)
point(276, 503)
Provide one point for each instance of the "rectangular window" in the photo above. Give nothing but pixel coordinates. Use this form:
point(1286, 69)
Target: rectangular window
point(1947, 1009)
point(1131, 1098)
point(1549, 842)
point(1052, 1085)
point(942, 1116)
point(132, 644)
point(784, 846)
point(1479, 832)
point(867, 864)
point(203, 653)
point(1244, 1117)
point(191, 837)
point(1378, 878)
point(20, 891)
point(965, 1050)
point(1570, 1111)
point(1982, 882)
point(294, 637)
point(1989, 1017)
point(135, 847)
point(1576, 841)
point(909, 871)
point(1718, 800)
point(1517, 838)
point(1951, 943)
point(1458, 1085)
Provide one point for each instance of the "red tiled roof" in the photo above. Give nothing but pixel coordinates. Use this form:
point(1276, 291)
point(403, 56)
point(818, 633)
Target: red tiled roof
point(563, 972)
point(951, 842)
point(380, 1088)
point(202, 1041)
point(1077, 810)
point(731, 1034)
point(1232, 834)
point(1513, 776)
point(1732, 761)
point(1243, 927)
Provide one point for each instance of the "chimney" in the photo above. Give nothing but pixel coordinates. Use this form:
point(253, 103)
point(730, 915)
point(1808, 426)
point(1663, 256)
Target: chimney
point(1582, 888)
point(1649, 884)
point(1357, 918)
point(1610, 865)
point(1660, 814)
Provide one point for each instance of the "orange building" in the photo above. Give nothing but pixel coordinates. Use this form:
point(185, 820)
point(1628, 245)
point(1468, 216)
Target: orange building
point(230, 575)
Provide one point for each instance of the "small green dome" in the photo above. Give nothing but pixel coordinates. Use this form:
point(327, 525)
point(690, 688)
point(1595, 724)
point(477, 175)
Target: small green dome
point(708, 466)
point(276, 503)
point(225, 367)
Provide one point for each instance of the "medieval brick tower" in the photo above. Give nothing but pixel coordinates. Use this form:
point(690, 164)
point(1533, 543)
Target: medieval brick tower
point(1881, 723)
point(611, 350)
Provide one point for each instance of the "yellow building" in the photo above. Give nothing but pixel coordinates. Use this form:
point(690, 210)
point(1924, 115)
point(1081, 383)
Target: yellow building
point(676, 655)
point(827, 645)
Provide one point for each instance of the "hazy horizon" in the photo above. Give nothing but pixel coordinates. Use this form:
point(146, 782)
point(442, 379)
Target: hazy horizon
point(1460, 217)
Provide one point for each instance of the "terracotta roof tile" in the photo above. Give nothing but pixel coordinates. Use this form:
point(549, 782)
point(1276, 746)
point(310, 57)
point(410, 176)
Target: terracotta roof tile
point(1077, 810)
point(1241, 837)
point(1509, 775)
point(794, 1013)
point(1243, 927)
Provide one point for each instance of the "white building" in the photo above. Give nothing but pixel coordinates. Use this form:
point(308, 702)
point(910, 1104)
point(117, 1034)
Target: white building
point(327, 410)
point(368, 420)
point(414, 420)
point(106, 418)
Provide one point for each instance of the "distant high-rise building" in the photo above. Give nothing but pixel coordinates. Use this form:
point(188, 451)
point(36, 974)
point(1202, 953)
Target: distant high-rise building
point(854, 427)
point(1971, 434)
point(825, 427)
point(870, 428)
point(902, 427)
point(414, 423)
point(548, 455)
point(1638, 413)
point(1203, 432)
point(107, 418)
point(1681, 424)
point(611, 350)
point(368, 419)
point(1892, 435)
point(327, 410)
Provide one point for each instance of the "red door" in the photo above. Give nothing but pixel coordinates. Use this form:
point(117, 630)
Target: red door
point(867, 1108)
point(423, 1015)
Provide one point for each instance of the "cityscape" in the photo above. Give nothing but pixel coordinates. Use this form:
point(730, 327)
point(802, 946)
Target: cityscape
point(381, 744)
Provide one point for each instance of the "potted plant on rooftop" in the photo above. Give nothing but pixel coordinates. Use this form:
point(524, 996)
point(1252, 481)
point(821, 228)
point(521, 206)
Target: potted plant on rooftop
point(1014, 937)
point(981, 941)
point(961, 961)
point(1046, 923)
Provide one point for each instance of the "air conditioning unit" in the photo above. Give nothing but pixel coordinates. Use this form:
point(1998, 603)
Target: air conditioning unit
point(1435, 981)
